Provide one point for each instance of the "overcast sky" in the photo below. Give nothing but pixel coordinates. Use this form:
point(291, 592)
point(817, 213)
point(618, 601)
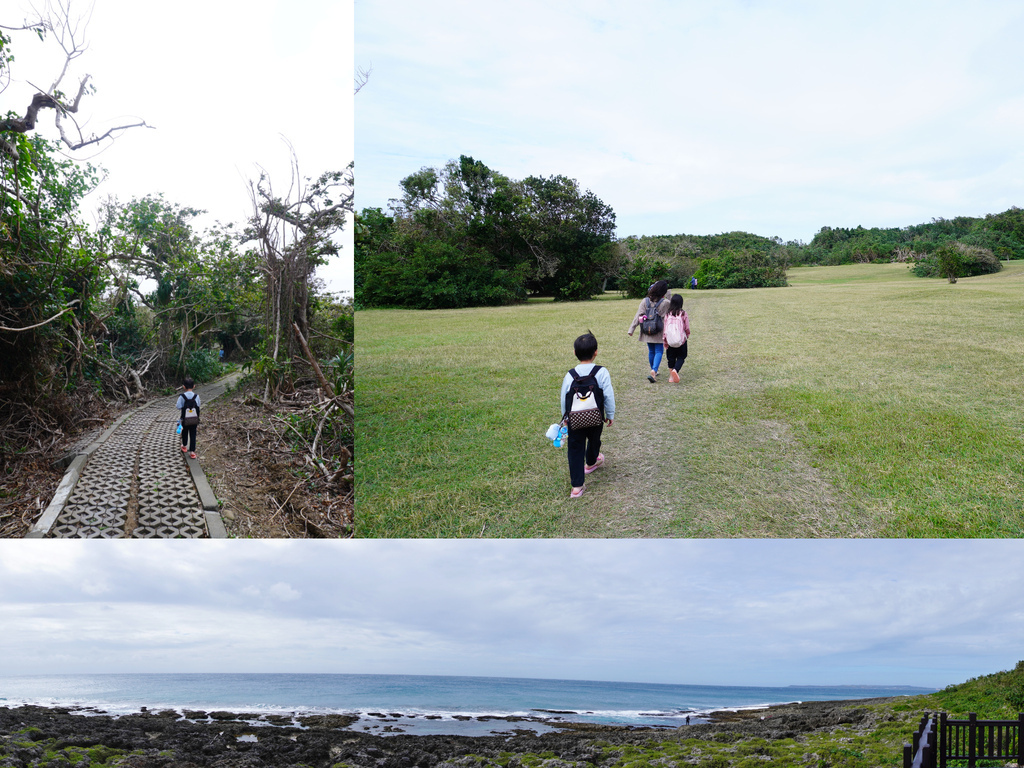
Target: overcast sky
point(731, 612)
point(776, 117)
point(221, 81)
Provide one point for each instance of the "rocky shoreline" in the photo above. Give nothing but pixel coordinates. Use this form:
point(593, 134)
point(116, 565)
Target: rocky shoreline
point(59, 737)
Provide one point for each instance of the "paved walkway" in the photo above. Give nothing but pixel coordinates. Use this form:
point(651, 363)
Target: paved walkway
point(134, 481)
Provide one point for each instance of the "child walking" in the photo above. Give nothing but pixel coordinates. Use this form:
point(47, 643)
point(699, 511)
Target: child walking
point(188, 405)
point(589, 386)
point(675, 336)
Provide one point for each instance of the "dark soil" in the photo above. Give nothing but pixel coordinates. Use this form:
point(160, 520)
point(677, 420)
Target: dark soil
point(37, 736)
point(29, 475)
point(269, 490)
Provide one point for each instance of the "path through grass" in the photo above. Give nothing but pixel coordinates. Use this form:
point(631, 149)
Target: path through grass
point(860, 401)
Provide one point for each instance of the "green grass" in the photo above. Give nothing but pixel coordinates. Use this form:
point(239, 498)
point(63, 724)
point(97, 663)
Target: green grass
point(876, 740)
point(860, 401)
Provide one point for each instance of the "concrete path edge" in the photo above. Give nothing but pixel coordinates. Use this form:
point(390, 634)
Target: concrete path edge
point(214, 522)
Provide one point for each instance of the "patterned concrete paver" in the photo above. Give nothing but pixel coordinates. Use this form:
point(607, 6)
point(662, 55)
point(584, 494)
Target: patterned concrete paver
point(137, 483)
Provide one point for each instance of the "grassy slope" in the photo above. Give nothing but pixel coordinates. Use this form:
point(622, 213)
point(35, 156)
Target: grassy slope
point(876, 742)
point(861, 401)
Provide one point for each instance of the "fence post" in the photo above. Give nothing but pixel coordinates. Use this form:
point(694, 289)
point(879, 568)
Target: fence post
point(908, 755)
point(928, 745)
point(1020, 738)
point(942, 741)
point(972, 738)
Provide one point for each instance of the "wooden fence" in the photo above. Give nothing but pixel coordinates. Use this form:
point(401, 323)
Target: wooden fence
point(940, 740)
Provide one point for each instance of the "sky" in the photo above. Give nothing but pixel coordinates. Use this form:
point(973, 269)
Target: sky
point(776, 118)
point(223, 85)
point(711, 612)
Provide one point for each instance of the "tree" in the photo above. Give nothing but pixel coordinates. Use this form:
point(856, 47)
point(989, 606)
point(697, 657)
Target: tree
point(294, 234)
point(68, 30)
point(51, 279)
point(467, 235)
point(566, 230)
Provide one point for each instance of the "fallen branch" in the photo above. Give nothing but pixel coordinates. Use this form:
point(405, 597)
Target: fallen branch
point(312, 361)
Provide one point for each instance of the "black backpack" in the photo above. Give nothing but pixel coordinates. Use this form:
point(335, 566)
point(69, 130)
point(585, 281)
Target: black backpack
point(190, 410)
point(652, 323)
point(584, 402)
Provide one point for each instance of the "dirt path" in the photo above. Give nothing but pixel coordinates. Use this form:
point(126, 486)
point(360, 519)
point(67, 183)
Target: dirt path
point(689, 460)
point(267, 489)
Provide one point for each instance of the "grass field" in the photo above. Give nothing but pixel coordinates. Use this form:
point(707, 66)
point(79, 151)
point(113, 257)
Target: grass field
point(860, 401)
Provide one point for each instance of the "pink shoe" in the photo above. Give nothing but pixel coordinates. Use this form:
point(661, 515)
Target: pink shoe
point(595, 465)
point(673, 376)
point(184, 449)
point(192, 455)
point(577, 492)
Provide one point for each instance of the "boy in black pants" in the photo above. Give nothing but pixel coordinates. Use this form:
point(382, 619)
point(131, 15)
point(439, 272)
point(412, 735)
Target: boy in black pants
point(188, 405)
point(585, 442)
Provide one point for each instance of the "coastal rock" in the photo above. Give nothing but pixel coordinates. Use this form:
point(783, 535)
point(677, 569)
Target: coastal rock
point(37, 736)
point(327, 721)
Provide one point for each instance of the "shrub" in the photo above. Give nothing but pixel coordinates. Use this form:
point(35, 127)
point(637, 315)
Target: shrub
point(743, 269)
point(201, 365)
point(955, 260)
point(438, 275)
point(640, 274)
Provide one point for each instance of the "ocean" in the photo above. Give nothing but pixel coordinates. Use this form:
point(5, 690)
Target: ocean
point(417, 704)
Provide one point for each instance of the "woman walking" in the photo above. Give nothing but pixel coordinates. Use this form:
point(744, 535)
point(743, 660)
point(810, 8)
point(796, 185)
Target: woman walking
point(650, 316)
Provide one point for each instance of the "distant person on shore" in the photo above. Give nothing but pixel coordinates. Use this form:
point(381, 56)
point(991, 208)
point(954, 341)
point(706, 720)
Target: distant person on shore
point(650, 316)
point(676, 336)
point(693, 282)
point(188, 406)
point(587, 402)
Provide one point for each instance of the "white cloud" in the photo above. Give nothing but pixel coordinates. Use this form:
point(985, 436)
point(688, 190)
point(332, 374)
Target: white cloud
point(777, 118)
point(284, 592)
point(768, 612)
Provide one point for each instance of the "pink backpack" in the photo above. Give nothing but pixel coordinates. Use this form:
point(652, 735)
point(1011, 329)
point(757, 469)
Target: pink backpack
point(675, 335)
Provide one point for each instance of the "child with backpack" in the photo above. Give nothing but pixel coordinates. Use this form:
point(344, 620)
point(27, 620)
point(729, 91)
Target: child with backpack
point(188, 405)
point(675, 336)
point(650, 316)
point(587, 402)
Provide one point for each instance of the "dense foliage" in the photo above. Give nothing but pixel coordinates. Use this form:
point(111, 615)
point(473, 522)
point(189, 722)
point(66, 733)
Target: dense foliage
point(144, 296)
point(466, 235)
point(743, 269)
point(1000, 233)
point(955, 260)
point(1000, 694)
point(728, 260)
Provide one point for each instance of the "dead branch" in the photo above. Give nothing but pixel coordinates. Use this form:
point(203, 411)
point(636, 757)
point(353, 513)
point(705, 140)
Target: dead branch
point(69, 33)
point(312, 361)
point(68, 308)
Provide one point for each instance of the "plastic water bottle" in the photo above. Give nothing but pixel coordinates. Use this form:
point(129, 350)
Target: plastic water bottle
point(179, 429)
point(562, 433)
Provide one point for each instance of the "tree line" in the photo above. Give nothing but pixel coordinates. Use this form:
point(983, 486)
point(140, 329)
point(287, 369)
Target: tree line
point(466, 235)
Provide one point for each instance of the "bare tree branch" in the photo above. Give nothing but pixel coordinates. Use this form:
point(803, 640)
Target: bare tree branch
point(69, 31)
point(362, 77)
point(39, 325)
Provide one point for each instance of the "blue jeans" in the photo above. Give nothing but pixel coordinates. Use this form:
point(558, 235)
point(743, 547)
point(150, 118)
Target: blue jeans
point(654, 352)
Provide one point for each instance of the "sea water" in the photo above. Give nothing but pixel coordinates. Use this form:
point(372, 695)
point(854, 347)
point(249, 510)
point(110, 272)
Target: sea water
point(417, 704)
